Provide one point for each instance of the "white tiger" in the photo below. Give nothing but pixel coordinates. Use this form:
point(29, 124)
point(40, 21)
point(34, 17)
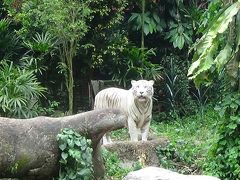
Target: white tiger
point(135, 102)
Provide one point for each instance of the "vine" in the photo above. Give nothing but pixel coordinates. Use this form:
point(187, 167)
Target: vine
point(76, 156)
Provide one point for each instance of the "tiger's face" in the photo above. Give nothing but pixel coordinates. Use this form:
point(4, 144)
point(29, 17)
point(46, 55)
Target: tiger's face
point(142, 90)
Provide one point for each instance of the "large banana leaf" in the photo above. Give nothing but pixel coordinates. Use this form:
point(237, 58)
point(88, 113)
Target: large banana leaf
point(205, 57)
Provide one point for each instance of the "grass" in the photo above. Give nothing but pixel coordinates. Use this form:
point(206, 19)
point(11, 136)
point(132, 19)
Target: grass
point(190, 140)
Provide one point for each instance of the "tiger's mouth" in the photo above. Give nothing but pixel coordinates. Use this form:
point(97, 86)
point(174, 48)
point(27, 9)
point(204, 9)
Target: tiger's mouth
point(142, 98)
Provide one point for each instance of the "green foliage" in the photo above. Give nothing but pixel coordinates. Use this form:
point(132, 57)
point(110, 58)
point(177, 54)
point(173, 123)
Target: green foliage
point(19, 91)
point(65, 20)
point(209, 15)
point(179, 34)
point(217, 55)
point(150, 22)
point(135, 65)
point(201, 99)
point(40, 46)
point(50, 109)
point(9, 41)
point(76, 156)
point(108, 36)
point(41, 43)
point(178, 156)
point(112, 165)
point(175, 87)
point(190, 139)
point(120, 135)
point(207, 57)
point(112, 51)
point(224, 158)
point(182, 20)
point(11, 6)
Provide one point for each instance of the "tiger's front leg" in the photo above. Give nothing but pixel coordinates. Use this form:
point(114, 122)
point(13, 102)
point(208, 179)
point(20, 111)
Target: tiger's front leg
point(145, 130)
point(132, 129)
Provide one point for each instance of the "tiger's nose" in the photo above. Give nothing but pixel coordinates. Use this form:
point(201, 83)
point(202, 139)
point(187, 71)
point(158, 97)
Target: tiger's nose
point(141, 92)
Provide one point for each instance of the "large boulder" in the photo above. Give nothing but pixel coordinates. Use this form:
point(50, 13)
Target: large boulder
point(141, 151)
point(155, 173)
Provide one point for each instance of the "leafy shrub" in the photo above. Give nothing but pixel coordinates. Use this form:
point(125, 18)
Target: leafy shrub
point(224, 157)
point(149, 21)
point(201, 99)
point(76, 156)
point(190, 139)
point(135, 64)
point(9, 41)
point(114, 169)
point(175, 87)
point(179, 34)
point(49, 109)
point(112, 165)
point(182, 20)
point(178, 156)
point(38, 47)
point(19, 91)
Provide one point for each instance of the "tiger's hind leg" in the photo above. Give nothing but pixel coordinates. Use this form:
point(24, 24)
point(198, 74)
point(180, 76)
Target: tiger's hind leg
point(107, 139)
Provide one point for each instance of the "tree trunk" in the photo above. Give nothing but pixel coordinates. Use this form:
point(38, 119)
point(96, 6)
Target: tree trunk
point(70, 87)
point(142, 30)
point(29, 150)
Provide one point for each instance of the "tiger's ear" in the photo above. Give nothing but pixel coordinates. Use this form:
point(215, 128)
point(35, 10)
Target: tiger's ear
point(151, 82)
point(133, 82)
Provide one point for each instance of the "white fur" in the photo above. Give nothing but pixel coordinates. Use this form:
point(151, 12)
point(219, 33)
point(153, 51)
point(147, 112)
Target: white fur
point(135, 102)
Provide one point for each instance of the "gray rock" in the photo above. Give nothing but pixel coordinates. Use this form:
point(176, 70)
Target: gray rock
point(155, 173)
point(131, 152)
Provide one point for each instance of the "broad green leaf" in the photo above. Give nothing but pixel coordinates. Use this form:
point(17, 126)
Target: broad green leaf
point(181, 42)
point(147, 19)
point(204, 63)
point(77, 142)
point(70, 142)
point(146, 29)
point(193, 67)
point(133, 16)
point(202, 54)
point(64, 155)
point(187, 38)
point(84, 172)
point(156, 17)
point(232, 126)
point(226, 18)
point(237, 32)
point(63, 146)
point(151, 29)
point(223, 57)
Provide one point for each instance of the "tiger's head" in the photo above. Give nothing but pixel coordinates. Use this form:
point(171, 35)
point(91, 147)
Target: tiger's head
point(142, 90)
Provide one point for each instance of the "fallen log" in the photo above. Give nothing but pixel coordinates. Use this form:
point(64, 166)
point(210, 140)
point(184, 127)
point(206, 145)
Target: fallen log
point(29, 149)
